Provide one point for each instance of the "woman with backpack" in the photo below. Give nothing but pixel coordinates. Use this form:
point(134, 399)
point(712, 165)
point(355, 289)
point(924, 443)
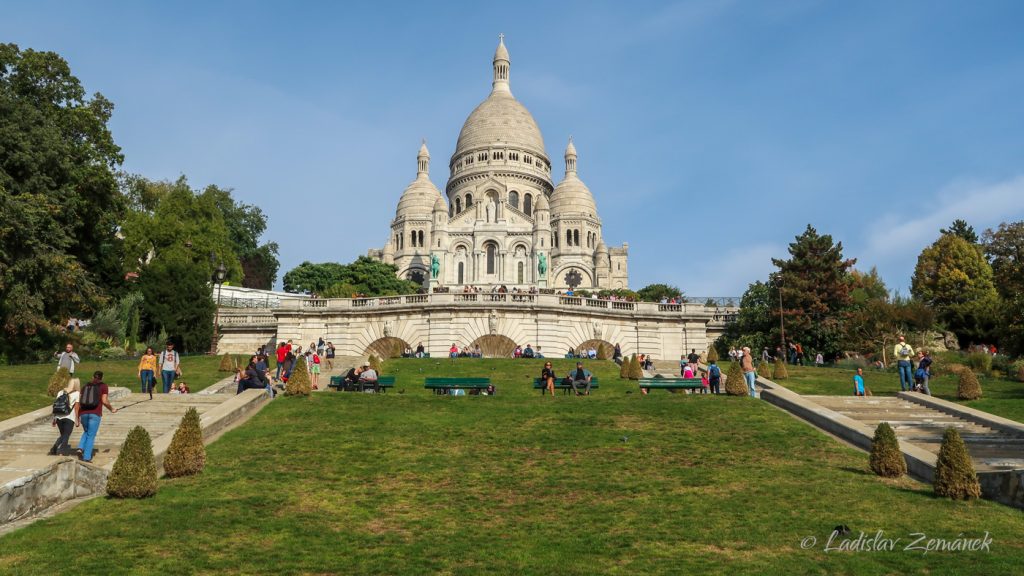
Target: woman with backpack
point(64, 414)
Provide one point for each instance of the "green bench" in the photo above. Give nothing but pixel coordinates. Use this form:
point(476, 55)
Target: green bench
point(671, 384)
point(338, 383)
point(560, 384)
point(445, 385)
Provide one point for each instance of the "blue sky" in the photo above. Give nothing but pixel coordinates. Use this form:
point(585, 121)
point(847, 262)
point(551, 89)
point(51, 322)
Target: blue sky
point(710, 132)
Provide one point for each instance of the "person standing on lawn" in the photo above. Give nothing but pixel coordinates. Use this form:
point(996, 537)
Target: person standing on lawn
point(858, 383)
point(904, 364)
point(90, 412)
point(749, 373)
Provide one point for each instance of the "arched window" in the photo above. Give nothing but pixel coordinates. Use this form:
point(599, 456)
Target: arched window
point(542, 242)
point(568, 237)
point(462, 275)
point(513, 199)
point(492, 256)
point(469, 201)
point(458, 205)
point(522, 271)
point(576, 237)
point(528, 204)
point(421, 237)
point(412, 238)
point(451, 210)
point(416, 276)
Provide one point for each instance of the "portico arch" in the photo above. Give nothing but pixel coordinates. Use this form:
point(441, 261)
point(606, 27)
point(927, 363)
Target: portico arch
point(387, 347)
point(495, 346)
point(604, 348)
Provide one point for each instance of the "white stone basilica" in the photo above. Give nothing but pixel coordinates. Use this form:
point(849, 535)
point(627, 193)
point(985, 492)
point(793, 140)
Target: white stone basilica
point(504, 222)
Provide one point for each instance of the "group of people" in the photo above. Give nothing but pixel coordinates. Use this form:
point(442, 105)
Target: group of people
point(420, 352)
point(362, 378)
point(911, 379)
point(579, 379)
point(168, 363)
point(287, 353)
point(76, 406)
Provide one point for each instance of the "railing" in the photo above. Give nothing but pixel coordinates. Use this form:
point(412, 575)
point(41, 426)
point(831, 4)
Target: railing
point(311, 303)
point(620, 305)
point(236, 302)
point(248, 320)
point(670, 307)
point(570, 301)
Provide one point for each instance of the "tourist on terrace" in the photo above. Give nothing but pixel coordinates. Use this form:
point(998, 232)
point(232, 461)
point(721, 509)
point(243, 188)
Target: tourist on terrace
point(580, 378)
point(617, 355)
point(749, 374)
point(537, 353)
point(858, 383)
point(368, 377)
point(547, 375)
point(518, 352)
point(330, 355)
point(67, 358)
point(170, 366)
point(453, 352)
point(420, 351)
point(528, 352)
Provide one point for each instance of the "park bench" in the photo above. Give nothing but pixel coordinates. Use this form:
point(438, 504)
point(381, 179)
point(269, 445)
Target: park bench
point(445, 385)
point(561, 384)
point(671, 384)
point(338, 383)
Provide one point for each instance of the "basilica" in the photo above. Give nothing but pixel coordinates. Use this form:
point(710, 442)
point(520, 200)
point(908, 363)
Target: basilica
point(501, 220)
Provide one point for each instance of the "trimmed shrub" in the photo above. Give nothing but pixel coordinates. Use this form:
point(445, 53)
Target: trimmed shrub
point(227, 363)
point(624, 367)
point(187, 453)
point(1018, 367)
point(134, 472)
point(764, 371)
point(886, 459)
point(980, 362)
point(780, 372)
point(712, 355)
point(299, 384)
point(58, 381)
point(735, 384)
point(954, 472)
point(635, 371)
point(969, 388)
point(374, 363)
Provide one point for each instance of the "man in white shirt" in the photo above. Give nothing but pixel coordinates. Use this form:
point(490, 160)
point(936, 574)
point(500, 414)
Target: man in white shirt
point(68, 359)
point(368, 377)
point(170, 366)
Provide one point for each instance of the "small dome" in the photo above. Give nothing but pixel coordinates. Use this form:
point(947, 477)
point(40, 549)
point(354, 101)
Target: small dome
point(421, 195)
point(439, 205)
point(501, 53)
point(601, 248)
point(572, 196)
point(542, 203)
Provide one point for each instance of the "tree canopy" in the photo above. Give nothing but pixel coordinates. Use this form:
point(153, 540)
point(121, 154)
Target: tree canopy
point(364, 276)
point(656, 292)
point(59, 200)
point(1004, 248)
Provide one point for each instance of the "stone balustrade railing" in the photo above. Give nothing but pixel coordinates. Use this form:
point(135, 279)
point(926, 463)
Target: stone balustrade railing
point(484, 299)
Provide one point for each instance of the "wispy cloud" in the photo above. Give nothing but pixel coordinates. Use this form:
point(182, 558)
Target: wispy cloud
point(730, 273)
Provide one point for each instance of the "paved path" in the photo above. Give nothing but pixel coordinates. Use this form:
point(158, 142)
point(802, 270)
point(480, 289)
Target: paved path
point(922, 426)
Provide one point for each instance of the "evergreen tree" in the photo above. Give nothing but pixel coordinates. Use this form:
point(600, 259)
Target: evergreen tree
point(954, 471)
point(764, 370)
point(134, 473)
point(58, 381)
point(886, 459)
point(961, 229)
point(815, 291)
point(636, 372)
point(299, 383)
point(655, 292)
point(735, 384)
point(780, 372)
point(953, 277)
point(1004, 248)
point(624, 367)
point(712, 355)
point(186, 455)
point(754, 323)
point(227, 363)
point(177, 299)
point(968, 387)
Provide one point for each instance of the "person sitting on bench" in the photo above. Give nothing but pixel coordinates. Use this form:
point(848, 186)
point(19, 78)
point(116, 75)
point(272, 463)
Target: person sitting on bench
point(580, 378)
point(368, 377)
point(547, 375)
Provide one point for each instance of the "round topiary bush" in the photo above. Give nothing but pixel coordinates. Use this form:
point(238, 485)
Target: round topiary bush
point(299, 383)
point(969, 388)
point(58, 381)
point(763, 370)
point(134, 472)
point(954, 472)
point(636, 372)
point(735, 384)
point(780, 372)
point(187, 453)
point(886, 459)
point(227, 363)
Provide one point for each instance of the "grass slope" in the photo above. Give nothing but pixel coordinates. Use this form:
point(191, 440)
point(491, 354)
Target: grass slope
point(23, 387)
point(518, 484)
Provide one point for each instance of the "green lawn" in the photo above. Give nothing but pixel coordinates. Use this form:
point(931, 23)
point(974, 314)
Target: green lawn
point(23, 387)
point(616, 483)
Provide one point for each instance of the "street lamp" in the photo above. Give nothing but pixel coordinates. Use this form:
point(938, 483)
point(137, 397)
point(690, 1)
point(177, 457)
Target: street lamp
point(782, 324)
point(218, 276)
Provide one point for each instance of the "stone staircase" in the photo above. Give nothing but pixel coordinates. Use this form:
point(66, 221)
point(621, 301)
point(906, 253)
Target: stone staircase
point(990, 449)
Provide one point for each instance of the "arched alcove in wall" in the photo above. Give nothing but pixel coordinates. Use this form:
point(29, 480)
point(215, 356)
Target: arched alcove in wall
point(387, 347)
point(604, 348)
point(495, 346)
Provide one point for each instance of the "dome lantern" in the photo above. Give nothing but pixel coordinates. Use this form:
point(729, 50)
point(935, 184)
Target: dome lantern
point(501, 67)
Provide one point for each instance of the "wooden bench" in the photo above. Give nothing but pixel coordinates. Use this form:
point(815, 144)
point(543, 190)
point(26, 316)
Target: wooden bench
point(446, 385)
point(338, 383)
point(560, 384)
point(671, 384)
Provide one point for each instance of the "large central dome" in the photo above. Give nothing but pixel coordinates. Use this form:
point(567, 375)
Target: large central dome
point(500, 120)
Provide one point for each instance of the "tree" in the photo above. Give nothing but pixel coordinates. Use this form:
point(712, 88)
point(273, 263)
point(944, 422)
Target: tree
point(186, 456)
point(754, 322)
point(780, 372)
point(657, 292)
point(735, 384)
point(59, 200)
point(309, 277)
point(953, 277)
point(815, 291)
point(886, 459)
point(134, 472)
point(246, 224)
point(962, 229)
point(954, 471)
point(58, 381)
point(364, 276)
point(968, 387)
point(177, 300)
point(1004, 248)
point(636, 371)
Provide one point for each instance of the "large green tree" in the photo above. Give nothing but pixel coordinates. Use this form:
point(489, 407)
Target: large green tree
point(246, 224)
point(59, 200)
point(364, 276)
point(815, 291)
point(953, 277)
point(755, 322)
point(657, 292)
point(1004, 248)
point(962, 229)
point(176, 298)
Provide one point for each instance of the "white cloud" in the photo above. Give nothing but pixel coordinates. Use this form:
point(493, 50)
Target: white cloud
point(731, 273)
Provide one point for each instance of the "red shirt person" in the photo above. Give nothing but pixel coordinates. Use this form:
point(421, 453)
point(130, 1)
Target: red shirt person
point(90, 413)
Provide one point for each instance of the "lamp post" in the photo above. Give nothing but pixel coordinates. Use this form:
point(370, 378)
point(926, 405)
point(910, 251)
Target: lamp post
point(782, 324)
point(218, 276)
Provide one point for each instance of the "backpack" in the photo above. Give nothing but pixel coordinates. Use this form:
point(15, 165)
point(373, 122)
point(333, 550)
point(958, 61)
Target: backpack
point(62, 405)
point(316, 359)
point(904, 350)
point(714, 371)
point(90, 396)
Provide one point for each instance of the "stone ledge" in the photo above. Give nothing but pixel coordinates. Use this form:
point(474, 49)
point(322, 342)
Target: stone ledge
point(965, 412)
point(18, 423)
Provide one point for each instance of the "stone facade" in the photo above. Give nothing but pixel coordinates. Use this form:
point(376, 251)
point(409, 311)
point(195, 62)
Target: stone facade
point(502, 221)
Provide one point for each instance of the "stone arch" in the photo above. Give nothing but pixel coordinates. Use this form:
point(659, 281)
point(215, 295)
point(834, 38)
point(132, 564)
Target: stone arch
point(386, 347)
point(604, 348)
point(495, 346)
